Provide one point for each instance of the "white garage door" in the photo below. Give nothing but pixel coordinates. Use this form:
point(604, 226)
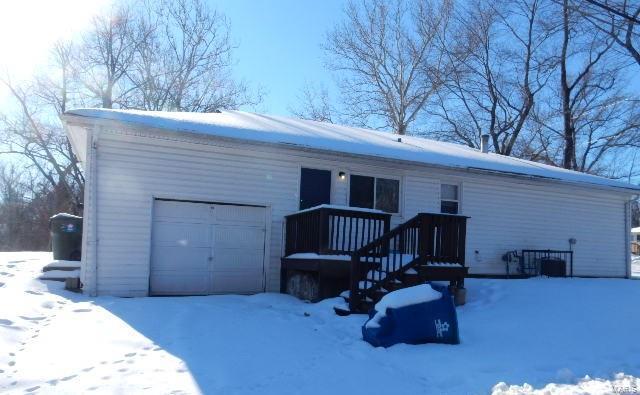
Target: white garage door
point(203, 248)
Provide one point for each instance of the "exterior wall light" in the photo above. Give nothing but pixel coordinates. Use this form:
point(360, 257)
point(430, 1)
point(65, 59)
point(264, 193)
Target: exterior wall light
point(342, 175)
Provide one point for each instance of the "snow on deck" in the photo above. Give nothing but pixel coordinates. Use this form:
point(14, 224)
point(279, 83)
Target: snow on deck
point(313, 255)
point(340, 207)
point(344, 139)
point(547, 332)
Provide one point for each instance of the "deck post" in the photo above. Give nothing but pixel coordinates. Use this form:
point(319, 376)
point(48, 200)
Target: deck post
point(354, 295)
point(323, 232)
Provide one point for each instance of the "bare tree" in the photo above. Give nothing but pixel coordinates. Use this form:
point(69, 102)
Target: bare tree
point(313, 103)
point(498, 65)
point(106, 53)
point(39, 140)
point(597, 118)
point(620, 19)
point(32, 133)
point(386, 60)
point(183, 60)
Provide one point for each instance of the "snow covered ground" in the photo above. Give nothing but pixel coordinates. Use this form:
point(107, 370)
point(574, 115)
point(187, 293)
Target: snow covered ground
point(635, 265)
point(549, 333)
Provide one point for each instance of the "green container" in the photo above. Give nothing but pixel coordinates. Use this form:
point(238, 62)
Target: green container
point(66, 236)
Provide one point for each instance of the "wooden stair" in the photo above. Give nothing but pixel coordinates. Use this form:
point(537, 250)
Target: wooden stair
point(428, 247)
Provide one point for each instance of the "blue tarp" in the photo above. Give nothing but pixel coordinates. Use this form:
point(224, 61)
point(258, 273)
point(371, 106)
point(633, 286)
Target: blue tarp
point(427, 322)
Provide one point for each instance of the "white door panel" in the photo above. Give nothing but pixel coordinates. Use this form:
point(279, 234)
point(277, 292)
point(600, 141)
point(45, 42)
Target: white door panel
point(238, 237)
point(181, 211)
point(181, 234)
point(239, 215)
point(238, 260)
point(200, 248)
point(187, 259)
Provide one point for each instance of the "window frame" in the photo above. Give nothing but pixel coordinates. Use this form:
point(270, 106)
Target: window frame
point(375, 177)
point(458, 185)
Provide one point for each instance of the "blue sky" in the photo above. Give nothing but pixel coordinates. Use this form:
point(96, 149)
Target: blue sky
point(278, 41)
point(279, 45)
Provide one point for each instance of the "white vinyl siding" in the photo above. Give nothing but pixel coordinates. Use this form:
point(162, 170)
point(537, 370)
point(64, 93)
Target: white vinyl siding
point(135, 166)
point(514, 216)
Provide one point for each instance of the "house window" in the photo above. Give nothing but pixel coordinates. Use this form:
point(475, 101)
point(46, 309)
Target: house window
point(315, 187)
point(449, 199)
point(371, 192)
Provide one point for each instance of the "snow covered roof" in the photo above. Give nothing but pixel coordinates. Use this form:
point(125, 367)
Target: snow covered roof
point(344, 139)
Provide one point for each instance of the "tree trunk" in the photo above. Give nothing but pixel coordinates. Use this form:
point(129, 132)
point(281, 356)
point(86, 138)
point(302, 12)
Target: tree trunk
point(569, 152)
point(107, 97)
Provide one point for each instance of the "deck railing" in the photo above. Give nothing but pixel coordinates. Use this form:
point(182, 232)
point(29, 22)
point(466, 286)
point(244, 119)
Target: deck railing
point(333, 231)
point(426, 239)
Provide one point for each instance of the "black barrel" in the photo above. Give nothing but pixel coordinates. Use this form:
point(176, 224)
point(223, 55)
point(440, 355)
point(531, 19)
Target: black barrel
point(66, 236)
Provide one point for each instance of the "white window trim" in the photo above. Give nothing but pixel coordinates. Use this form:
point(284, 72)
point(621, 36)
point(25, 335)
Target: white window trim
point(396, 178)
point(459, 200)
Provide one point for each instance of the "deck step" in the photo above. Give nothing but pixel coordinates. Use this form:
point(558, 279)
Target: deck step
point(411, 279)
point(394, 286)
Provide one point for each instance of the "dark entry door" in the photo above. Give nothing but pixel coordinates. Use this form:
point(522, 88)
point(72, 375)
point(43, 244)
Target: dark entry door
point(315, 187)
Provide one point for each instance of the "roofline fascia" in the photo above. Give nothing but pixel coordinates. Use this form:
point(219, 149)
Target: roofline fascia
point(87, 121)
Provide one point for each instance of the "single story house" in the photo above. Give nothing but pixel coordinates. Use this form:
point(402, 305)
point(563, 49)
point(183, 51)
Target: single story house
point(191, 203)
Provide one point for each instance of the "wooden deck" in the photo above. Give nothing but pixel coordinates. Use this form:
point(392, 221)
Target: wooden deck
point(335, 249)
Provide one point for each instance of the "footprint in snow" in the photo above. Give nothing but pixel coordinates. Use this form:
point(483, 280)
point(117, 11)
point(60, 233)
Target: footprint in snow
point(5, 322)
point(6, 274)
point(32, 318)
point(16, 261)
point(47, 305)
point(131, 354)
point(81, 310)
point(12, 363)
point(69, 377)
point(34, 292)
point(53, 382)
point(1, 284)
point(32, 389)
point(88, 369)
